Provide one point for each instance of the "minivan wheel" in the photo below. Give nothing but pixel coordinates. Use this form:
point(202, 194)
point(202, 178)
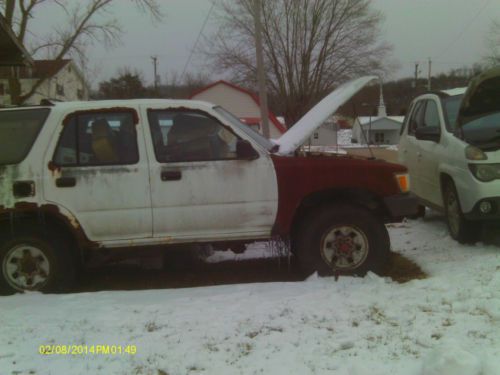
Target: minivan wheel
point(461, 230)
point(342, 239)
point(34, 262)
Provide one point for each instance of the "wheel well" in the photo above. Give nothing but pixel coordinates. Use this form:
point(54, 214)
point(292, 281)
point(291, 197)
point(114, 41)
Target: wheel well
point(358, 197)
point(445, 180)
point(16, 221)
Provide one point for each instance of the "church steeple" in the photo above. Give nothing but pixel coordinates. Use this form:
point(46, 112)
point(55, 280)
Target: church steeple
point(381, 107)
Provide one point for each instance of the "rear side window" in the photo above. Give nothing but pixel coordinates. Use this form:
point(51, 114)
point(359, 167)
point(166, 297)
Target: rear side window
point(95, 138)
point(18, 132)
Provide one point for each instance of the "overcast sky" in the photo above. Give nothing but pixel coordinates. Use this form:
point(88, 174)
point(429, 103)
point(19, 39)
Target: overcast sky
point(450, 32)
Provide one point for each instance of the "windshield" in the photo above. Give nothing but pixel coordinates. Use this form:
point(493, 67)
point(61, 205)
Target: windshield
point(451, 107)
point(18, 131)
point(257, 137)
point(483, 132)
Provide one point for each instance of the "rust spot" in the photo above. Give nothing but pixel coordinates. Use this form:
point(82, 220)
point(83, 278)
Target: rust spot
point(71, 223)
point(53, 167)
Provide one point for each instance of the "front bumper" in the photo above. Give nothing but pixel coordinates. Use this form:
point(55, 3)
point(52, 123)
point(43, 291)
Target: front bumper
point(401, 205)
point(476, 215)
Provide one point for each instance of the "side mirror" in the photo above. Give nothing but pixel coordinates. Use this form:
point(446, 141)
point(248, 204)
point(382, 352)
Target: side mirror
point(245, 151)
point(432, 134)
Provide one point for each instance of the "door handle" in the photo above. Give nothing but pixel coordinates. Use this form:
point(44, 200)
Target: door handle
point(171, 175)
point(63, 182)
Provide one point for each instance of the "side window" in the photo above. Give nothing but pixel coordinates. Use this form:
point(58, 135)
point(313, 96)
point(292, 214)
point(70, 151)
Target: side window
point(190, 136)
point(416, 117)
point(431, 117)
point(93, 138)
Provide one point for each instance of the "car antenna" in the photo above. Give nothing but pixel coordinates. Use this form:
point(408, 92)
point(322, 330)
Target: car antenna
point(362, 131)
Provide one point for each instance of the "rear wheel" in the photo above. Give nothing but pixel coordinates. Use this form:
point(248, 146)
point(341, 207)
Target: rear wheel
point(35, 262)
point(343, 239)
point(461, 230)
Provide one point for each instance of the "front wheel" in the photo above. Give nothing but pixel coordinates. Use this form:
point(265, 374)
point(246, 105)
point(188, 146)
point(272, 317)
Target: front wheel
point(35, 262)
point(343, 239)
point(461, 230)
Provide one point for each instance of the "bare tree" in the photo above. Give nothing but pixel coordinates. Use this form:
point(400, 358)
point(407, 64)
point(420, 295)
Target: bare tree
point(493, 44)
point(87, 22)
point(310, 46)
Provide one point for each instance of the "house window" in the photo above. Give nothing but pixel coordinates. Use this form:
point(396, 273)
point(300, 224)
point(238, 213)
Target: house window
point(316, 135)
point(379, 137)
point(59, 89)
point(2, 89)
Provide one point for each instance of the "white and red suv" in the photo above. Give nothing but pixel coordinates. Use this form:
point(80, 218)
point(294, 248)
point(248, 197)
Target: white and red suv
point(83, 176)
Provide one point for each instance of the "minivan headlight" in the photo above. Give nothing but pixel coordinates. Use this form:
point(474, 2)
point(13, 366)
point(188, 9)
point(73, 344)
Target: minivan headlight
point(474, 153)
point(485, 172)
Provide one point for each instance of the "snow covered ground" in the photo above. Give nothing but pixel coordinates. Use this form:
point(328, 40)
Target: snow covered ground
point(447, 324)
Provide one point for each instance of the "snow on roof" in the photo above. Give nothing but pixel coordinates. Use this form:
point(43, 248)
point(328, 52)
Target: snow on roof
point(455, 91)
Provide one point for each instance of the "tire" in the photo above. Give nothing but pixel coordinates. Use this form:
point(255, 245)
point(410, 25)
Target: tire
point(34, 261)
point(461, 230)
point(343, 239)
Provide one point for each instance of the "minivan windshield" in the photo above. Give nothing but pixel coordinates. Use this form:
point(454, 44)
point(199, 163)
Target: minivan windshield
point(18, 131)
point(480, 127)
point(451, 107)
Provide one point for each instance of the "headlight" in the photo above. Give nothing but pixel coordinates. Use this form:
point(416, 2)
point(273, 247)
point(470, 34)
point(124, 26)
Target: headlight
point(474, 153)
point(485, 172)
point(403, 181)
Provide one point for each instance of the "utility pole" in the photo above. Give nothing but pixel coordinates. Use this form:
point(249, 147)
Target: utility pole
point(416, 76)
point(264, 114)
point(429, 76)
point(155, 63)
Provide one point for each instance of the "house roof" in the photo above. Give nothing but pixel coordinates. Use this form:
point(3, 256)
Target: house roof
point(12, 52)
point(41, 69)
point(365, 120)
point(254, 97)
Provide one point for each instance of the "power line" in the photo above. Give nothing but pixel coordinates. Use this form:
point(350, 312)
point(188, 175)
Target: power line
point(197, 39)
point(465, 28)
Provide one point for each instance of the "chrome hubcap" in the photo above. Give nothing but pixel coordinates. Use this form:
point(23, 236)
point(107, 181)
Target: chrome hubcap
point(344, 248)
point(453, 213)
point(26, 267)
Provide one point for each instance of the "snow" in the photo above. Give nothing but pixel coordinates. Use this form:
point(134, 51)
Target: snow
point(448, 323)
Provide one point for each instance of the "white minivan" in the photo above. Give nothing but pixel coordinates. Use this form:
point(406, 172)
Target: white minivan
point(450, 143)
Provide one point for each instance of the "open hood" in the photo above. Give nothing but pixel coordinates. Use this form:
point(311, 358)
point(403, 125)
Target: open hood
point(312, 120)
point(481, 98)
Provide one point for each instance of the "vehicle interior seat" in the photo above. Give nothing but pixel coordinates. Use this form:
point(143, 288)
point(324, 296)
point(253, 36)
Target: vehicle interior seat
point(103, 142)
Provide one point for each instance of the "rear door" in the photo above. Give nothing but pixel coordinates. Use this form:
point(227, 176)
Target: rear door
point(200, 189)
point(102, 174)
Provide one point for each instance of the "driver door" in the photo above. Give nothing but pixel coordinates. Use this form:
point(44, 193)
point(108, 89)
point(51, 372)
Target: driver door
point(200, 189)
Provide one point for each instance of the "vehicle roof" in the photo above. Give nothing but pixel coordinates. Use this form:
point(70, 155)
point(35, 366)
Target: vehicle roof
point(82, 105)
point(455, 91)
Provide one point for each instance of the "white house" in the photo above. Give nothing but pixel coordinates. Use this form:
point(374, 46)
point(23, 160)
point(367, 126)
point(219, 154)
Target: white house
point(377, 130)
point(241, 102)
point(60, 80)
point(380, 129)
point(326, 134)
